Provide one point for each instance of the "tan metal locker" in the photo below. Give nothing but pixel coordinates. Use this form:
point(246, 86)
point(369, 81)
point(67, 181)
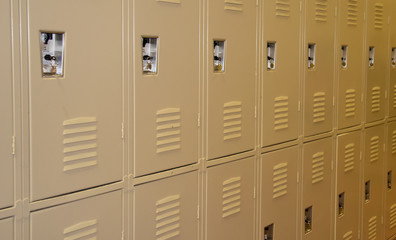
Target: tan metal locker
point(75, 79)
point(317, 179)
point(279, 194)
point(7, 229)
point(390, 196)
point(230, 201)
point(98, 217)
point(376, 59)
point(281, 71)
point(231, 76)
point(6, 108)
point(318, 66)
point(349, 52)
point(373, 183)
point(392, 86)
point(348, 186)
point(166, 88)
point(167, 208)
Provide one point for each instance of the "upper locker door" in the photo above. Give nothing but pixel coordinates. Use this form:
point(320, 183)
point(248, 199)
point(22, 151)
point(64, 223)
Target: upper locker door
point(376, 59)
point(6, 108)
point(281, 71)
point(392, 87)
point(166, 84)
point(349, 52)
point(318, 66)
point(231, 76)
point(75, 78)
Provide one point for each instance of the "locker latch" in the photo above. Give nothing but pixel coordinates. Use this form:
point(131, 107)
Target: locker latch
point(149, 55)
point(344, 56)
point(394, 57)
point(271, 61)
point(371, 57)
point(52, 52)
point(311, 55)
point(218, 55)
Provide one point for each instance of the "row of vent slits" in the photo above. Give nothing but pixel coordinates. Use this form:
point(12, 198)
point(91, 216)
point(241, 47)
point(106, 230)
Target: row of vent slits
point(372, 228)
point(394, 142)
point(317, 167)
point(350, 103)
point(232, 119)
point(348, 236)
point(281, 113)
point(392, 217)
point(231, 196)
point(321, 10)
point(282, 8)
point(233, 5)
point(168, 130)
point(83, 230)
point(167, 217)
point(352, 18)
point(379, 16)
point(374, 148)
point(319, 100)
point(349, 157)
point(279, 179)
point(375, 99)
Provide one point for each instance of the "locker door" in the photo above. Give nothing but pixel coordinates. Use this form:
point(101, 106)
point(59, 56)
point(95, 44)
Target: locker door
point(7, 229)
point(279, 194)
point(98, 217)
point(167, 208)
point(317, 202)
point(390, 196)
point(230, 201)
point(75, 79)
point(166, 95)
point(318, 66)
point(348, 183)
point(376, 59)
point(231, 76)
point(392, 86)
point(373, 183)
point(281, 80)
point(6, 108)
point(349, 62)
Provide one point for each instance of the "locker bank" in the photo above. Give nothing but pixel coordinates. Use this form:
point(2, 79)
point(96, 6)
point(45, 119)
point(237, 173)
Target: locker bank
point(198, 120)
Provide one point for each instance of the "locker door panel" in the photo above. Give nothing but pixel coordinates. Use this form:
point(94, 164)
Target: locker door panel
point(166, 101)
point(167, 208)
point(230, 201)
point(281, 82)
point(7, 229)
point(75, 113)
point(392, 86)
point(98, 217)
point(390, 196)
point(319, 77)
point(279, 194)
point(231, 91)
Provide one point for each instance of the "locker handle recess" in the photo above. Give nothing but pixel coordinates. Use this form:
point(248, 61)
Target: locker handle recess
point(371, 57)
point(308, 219)
point(341, 206)
point(149, 55)
point(269, 232)
point(367, 191)
point(52, 52)
point(344, 56)
point(271, 55)
point(311, 55)
point(394, 57)
point(389, 181)
point(218, 55)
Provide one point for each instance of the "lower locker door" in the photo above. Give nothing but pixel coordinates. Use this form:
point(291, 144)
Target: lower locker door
point(7, 229)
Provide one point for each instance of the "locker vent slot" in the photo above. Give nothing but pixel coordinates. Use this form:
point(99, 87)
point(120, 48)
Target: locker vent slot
point(282, 8)
point(349, 157)
point(231, 196)
point(347, 236)
point(392, 220)
point(82, 230)
point(394, 142)
point(169, 1)
point(374, 148)
point(321, 10)
point(317, 167)
point(372, 228)
point(279, 180)
point(80, 143)
point(232, 120)
point(168, 130)
point(168, 217)
point(379, 16)
point(350, 103)
point(319, 100)
point(375, 99)
point(394, 96)
point(281, 113)
point(233, 5)
point(352, 18)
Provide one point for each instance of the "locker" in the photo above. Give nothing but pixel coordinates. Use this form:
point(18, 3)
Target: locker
point(279, 194)
point(349, 52)
point(7, 229)
point(167, 208)
point(166, 96)
point(230, 201)
point(75, 102)
point(281, 81)
point(373, 183)
point(318, 66)
point(6, 108)
point(316, 194)
point(348, 185)
point(231, 81)
point(376, 59)
point(98, 217)
point(390, 196)
point(392, 49)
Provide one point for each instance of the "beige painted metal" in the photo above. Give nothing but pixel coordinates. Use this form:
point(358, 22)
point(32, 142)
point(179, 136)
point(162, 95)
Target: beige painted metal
point(390, 196)
point(318, 84)
point(231, 93)
point(317, 182)
point(279, 191)
point(7, 229)
point(230, 201)
point(76, 120)
point(350, 31)
point(166, 102)
point(98, 217)
point(348, 181)
point(373, 173)
point(167, 208)
point(392, 60)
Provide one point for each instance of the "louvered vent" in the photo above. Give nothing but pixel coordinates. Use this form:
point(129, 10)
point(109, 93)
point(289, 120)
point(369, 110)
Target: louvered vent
point(352, 18)
point(233, 5)
point(232, 120)
point(281, 113)
point(231, 196)
point(372, 228)
point(374, 148)
point(379, 16)
point(82, 230)
point(169, 1)
point(317, 167)
point(80, 143)
point(168, 217)
point(392, 215)
point(321, 10)
point(282, 8)
point(319, 100)
point(394, 142)
point(347, 236)
point(168, 130)
point(394, 96)
point(350, 103)
point(279, 180)
point(349, 157)
point(375, 99)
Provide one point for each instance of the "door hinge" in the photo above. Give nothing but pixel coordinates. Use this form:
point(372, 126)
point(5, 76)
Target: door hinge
point(13, 145)
point(122, 130)
point(199, 119)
